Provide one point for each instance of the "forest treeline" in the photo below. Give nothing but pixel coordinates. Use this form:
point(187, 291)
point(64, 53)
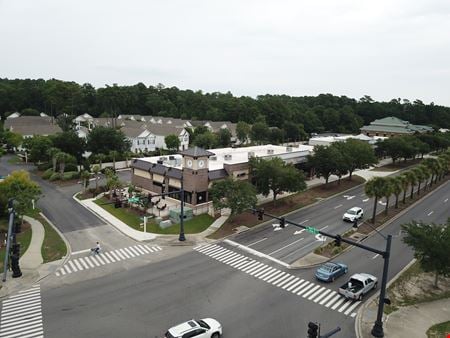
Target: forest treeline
point(324, 112)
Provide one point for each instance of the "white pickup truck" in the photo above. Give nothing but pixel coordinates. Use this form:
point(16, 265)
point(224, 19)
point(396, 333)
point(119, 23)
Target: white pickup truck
point(358, 285)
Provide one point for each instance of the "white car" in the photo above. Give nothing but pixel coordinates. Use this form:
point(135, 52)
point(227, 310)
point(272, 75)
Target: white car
point(352, 214)
point(198, 328)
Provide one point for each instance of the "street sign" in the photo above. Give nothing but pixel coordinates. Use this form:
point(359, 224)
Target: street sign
point(312, 230)
point(133, 200)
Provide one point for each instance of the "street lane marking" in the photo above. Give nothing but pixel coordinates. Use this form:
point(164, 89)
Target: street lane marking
point(302, 222)
point(257, 241)
point(80, 251)
point(445, 201)
point(338, 206)
point(283, 280)
point(298, 232)
point(430, 213)
point(375, 256)
point(104, 258)
point(365, 200)
point(326, 226)
point(284, 247)
point(22, 314)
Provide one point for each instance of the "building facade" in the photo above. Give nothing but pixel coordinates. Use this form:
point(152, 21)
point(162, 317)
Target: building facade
point(393, 126)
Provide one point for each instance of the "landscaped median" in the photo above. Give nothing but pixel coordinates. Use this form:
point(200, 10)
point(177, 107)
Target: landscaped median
point(134, 219)
point(288, 204)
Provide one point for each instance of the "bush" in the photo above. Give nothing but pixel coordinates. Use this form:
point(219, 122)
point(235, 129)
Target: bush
point(47, 174)
point(70, 175)
point(107, 168)
point(54, 177)
point(70, 167)
point(44, 166)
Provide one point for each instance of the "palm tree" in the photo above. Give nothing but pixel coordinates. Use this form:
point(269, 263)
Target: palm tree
point(85, 175)
point(96, 170)
point(442, 167)
point(100, 157)
point(412, 180)
point(387, 192)
point(432, 164)
point(127, 155)
point(397, 188)
point(52, 153)
point(420, 176)
point(375, 188)
point(405, 184)
point(426, 175)
point(114, 154)
point(63, 158)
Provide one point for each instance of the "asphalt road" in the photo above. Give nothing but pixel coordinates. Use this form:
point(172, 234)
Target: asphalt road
point(291, 243)
point(145, 301)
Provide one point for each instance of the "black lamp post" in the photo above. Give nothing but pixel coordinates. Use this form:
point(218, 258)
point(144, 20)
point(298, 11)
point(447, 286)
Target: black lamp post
point(182, 238)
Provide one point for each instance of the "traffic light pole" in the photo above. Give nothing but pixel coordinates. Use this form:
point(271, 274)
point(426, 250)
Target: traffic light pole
point(8, 239)
point(377, 330)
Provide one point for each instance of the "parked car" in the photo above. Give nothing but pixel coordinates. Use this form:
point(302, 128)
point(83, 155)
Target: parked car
point(328, 272)
point(196, 328)
point(358, 285)
point(352, 214)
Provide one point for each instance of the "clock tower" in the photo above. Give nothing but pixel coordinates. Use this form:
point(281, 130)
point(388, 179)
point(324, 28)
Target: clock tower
point(195, 165)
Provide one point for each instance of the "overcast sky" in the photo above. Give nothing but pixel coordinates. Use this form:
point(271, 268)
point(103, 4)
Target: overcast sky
point(382, 48)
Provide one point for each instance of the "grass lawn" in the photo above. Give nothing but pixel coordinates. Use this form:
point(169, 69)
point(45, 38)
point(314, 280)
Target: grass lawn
point(288, 204)
point(439, 330)
point(132, 218)
point(24, 238)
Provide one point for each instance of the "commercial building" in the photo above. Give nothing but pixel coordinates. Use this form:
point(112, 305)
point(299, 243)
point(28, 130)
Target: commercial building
point(320, 140)
point(392, 126)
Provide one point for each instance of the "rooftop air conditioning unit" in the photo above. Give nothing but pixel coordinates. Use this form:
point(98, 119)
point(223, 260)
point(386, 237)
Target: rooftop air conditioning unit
point(228, 157)
point(213, 158)
point(251, 154)
point(270, 151)
point(159, 162)
point(288, 149)
point(171, 158)
point(163, 159)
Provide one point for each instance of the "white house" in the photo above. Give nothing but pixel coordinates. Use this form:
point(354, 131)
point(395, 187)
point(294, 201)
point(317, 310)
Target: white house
point(84, 119)
point(141, 139)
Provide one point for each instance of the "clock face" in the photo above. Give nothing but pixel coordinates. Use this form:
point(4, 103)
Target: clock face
point(201, 163)
point(189, 163)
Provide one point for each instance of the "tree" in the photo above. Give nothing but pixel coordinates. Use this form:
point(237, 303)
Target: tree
point(387, 192)
point(375, 188)
point(19, 186)
point(223, 137)
point(243, 131)
point(260, 132)
point(275, 176)
point(37, 147)
point(420, 176)
point(63, 159)
point(10, 139)
point(393, 147)
point(112, 181)
point(233, 194)
point(127, 155)
point(276, 135)
point(206, 140)
point(96, 170)
point(85, 176)
point(426, 175)
point(52, 154)
point(431, 245)
point(104, 139)
point(172, 142)
point(433, 166)
point(325, 161)
point(100, 157)
point(412, 180)
point(358, 154)
point(405, 185)
point(114, 154)
point(70, 143)
point(397, 187)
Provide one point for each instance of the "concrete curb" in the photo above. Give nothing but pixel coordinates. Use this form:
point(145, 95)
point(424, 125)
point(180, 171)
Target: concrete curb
point(358, 323)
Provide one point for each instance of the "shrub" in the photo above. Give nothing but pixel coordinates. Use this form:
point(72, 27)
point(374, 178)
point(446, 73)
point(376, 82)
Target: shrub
point(47, 174)
point(44, 166)
point(54, 177)
point(70, 167)
point(70, 175)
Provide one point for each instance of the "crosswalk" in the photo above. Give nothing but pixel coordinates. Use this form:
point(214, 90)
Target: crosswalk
point(311, 291)
point(105, 257)
point(22, 315)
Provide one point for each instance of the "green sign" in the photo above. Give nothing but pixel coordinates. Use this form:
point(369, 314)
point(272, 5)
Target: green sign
point(133, 200)
point(312, 230)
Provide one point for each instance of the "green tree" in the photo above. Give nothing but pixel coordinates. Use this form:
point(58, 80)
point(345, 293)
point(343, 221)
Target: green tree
point(114, 154)
point(260, 132)
point(63, 159)
point(275, 176)
point(397, 187)
point(412, 180)
point(85, 176)
point(375, 188)
point(405, 185)
point(325, 161)
point(10, 139)
point(387, 192)
point(100, 158)
point(37, 147)
point(70, 143)
point(206, 140)
point(420, 176)
point(433, 165)
point(223, 138)
point(276, 135)
point(172, 142)
point(431, 245)
point(104, 139)
point(243, 131)
point(96, 170)
point(358, 155)
point(52, 153)
point(18, 185)
point(233, 194)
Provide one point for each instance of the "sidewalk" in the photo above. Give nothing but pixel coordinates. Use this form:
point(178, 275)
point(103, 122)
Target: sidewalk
point(31, 263)
point(411, 321)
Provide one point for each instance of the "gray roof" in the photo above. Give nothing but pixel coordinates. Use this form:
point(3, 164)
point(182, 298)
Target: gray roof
point(28, 120)
point(217, 174)
point(156, 168)
point(140, 164)
point(164, 129)
point(196, 152)
point(39, 129)
point(131, 132)
point(395, 125)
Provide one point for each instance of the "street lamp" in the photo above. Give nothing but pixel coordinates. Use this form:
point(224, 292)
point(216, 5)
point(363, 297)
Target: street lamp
point(182, 238)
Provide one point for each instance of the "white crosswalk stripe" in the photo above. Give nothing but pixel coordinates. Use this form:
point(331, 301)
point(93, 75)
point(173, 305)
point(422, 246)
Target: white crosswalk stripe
point(21, 315)
point(105, 258)
point(315, 292)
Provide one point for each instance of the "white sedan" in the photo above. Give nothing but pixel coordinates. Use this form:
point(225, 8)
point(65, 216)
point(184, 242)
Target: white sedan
point(197, 328)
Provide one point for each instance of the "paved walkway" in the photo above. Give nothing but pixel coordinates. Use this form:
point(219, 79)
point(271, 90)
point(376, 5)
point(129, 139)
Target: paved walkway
point(32, 258)
point(411, 321)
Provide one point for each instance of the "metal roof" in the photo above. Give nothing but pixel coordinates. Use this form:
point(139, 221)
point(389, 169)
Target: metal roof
point(196, 152)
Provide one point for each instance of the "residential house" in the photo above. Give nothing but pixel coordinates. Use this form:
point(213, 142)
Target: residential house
point(28, 126)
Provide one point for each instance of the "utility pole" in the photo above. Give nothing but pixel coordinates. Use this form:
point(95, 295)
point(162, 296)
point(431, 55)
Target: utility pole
point(377, 330)
point(8, 239)
point(182, 238)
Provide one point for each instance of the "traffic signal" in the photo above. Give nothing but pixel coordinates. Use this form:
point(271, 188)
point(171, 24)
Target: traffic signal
point(117, 203)
point(313, 330)
point(337, 240)
point(261, 214)
point(282, 222)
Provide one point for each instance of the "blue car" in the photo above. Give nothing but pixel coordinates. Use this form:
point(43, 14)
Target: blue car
point(330, 271)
